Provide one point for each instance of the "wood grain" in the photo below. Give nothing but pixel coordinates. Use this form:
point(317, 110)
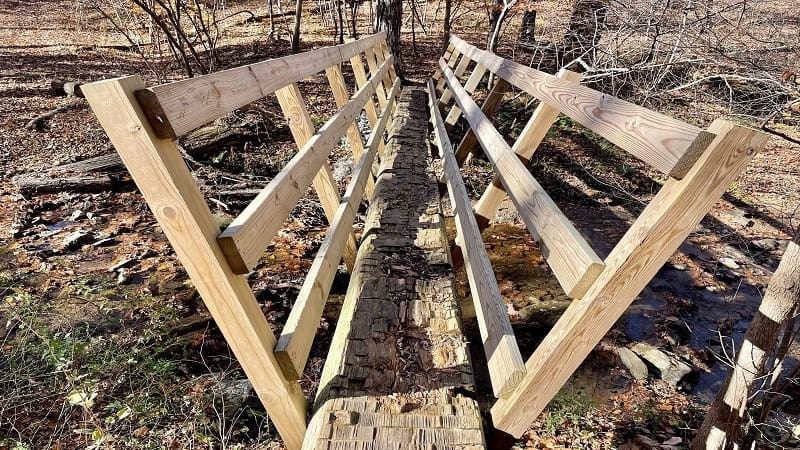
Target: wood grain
point(249, 233)
point(472, 83)
point(469, 142)
point(505, 364)
point(294, 343)
point(372, 63)
point(656, 139)
point(572, 260)
point(302, 129)
point(461, 67)
point(159, 171)
point(660, 229)
point(187, 104)
point(526, 144)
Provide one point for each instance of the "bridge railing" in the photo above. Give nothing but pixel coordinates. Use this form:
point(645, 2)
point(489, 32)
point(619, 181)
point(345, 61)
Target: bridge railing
point(144, 124)
point(699, 164)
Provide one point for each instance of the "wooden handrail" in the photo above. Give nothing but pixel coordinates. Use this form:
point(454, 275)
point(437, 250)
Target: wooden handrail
point(667, 144)
point(179, 107)
point(572, 260)
point(504, 361)
point(245, 239)
point(294, 343)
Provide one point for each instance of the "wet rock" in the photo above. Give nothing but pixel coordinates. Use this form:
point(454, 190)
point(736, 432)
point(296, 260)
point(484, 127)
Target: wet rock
point(77, 215)
point(633, 363)
point(729, 263)
point(77, 239)
point(668, 369)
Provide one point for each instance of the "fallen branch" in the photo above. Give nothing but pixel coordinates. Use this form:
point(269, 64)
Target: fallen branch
point(27, 184)
point(38, 122)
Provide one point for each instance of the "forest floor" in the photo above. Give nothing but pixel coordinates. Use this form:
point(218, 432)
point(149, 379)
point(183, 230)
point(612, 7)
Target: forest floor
point(104, 342)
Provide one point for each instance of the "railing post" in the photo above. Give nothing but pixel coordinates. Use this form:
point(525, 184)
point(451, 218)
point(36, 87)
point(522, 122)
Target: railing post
point(660, 229)
point(159, 171)
point(373, 64)
point(469, 142)
point(291, 102)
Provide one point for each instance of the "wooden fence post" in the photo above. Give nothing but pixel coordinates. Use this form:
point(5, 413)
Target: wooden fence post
point(302, 128)
point(159, 171)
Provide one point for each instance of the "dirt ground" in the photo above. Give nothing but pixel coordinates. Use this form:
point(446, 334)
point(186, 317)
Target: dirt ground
point(106, 344)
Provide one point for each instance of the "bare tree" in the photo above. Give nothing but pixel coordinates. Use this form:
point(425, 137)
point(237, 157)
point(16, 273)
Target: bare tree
point(722, 425)
point(389, 17)
point(298, 12)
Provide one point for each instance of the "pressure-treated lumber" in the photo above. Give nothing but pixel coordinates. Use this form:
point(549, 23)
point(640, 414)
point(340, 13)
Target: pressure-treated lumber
point(451, 62)
point(302, 129)
point(179, 107)
point(341, 96)
point(472, 82)
point(361, 79)
point(249, 233)
point(294, 343)
point(380, 57)
point(490, 104)
point(526, 144)
point(461, 67)
point(437, 73)
point(667, 144)
point(572, 260)
point(660, 229)
point(160, 173)
point(386, 53)
point(504, 360)
point(380, 90)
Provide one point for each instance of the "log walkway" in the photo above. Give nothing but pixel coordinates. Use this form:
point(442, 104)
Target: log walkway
point(401, 367)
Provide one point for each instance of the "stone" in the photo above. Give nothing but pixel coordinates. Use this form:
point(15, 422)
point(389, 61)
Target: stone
point(76, 215)
point(679, 267)
point(124, 263)
point(124, 276)
point(669, 369)
point(729, 263)
point(342, 169)
point(633, 363)
point(78, 238)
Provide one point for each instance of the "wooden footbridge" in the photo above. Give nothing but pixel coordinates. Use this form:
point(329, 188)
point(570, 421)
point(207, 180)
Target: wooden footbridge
point(398, 373)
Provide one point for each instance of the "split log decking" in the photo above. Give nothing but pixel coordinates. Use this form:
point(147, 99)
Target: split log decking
point(398, 374)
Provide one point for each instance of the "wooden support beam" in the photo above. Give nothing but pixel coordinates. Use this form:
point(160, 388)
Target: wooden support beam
point(361, 79)
point(667, 144)
point(342, 96)
point(469, 141)
point(159, 171)
point(386, 52)
point(461, 67)
point(451, 62)
point(504, 360)
point(372, 63)
point(472, 83)
point(249, 233)
point(176, 108)
point(573, 261)
point(528, 141)
point(660, 229)
point(302, 128)
point(437, 73)
point(294, 343)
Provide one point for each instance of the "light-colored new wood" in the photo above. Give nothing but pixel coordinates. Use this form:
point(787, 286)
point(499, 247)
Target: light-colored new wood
point(667, 144)
point(294, 343)
point(386, 53)
point(490, 104)
point(379, 59)
point(372, 63)
point(451, 62)
point(461, 67)
point(302, 129)
point(361, 79)
point(472, 82)
point(437, 74)
point(161, 174)
point(342, 96)
point(506, 367)
point(572, 260)
point(526, 144)
point(188, 104)
point(249, 233)
point(660, 229)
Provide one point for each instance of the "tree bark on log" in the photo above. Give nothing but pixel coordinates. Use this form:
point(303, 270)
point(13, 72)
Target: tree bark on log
point(390, 18)
point(721, 427)
point(28, 185)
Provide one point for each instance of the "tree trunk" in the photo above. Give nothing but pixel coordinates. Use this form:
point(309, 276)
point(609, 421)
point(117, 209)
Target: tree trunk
point(296, 33)
point(527, 31)
point(389, 17)
point(448, 10)
point(588, 17)
point(722, 423)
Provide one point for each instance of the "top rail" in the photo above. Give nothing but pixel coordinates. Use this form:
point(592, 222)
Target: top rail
point(176, 108)
point(667, 144)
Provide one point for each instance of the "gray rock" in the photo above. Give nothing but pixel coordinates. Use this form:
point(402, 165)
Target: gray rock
point(342, 169)
point(680, 267)
point(729, 263)
point(77, 215)
point(669, 369)
point(78, 238)
point(635, 366)
point(124, 276)
point(127, 262)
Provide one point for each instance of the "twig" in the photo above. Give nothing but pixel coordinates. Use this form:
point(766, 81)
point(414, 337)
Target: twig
point(38, 122)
